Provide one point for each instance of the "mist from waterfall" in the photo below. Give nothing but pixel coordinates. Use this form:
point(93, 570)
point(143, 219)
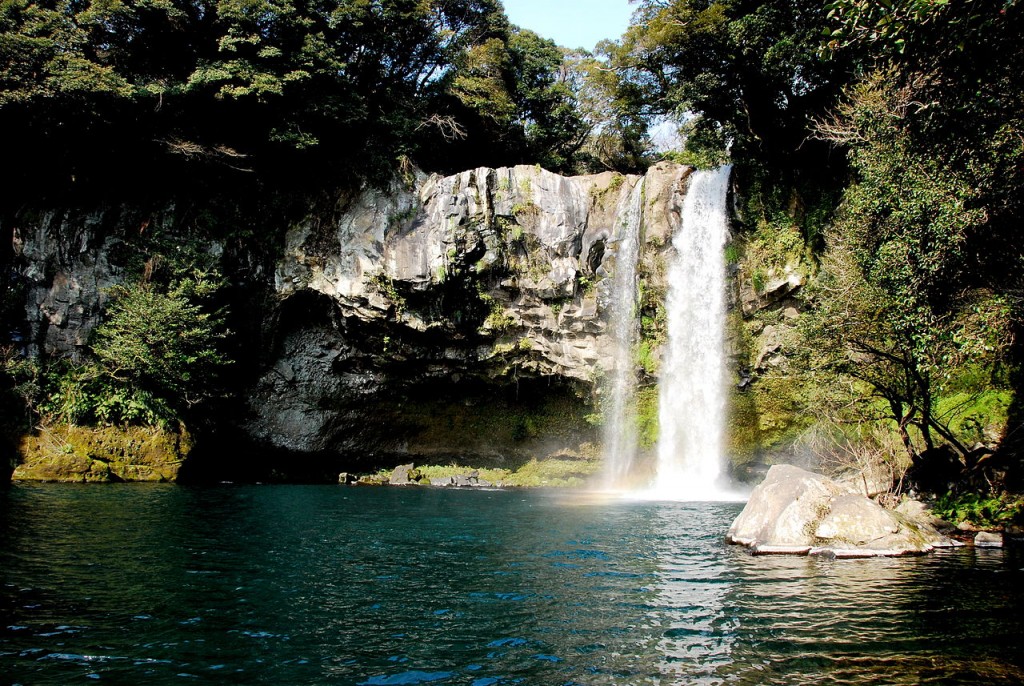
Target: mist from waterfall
point(620, 437)
point(692, 386)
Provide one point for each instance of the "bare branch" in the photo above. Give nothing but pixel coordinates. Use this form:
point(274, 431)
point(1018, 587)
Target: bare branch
point(448, 126)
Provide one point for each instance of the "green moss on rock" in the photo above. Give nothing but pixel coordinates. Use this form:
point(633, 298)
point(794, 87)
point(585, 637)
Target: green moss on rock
point(743, 434)
point(647, 424)
point(101, 454)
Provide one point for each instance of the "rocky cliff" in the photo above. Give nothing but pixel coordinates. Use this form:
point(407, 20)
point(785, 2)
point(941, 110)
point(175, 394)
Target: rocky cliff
point(486, 278)
point(445, 316)
point(442, 318)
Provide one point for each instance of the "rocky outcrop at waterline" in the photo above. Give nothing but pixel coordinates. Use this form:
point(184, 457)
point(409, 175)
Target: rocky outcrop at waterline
point(797, 512)
point(100, 455)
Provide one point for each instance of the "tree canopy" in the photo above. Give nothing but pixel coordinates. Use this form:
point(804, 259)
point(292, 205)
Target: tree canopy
point(749, 71)
point(99, 89)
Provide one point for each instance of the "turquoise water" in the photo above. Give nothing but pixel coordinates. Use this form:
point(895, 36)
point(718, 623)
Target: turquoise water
point(138, 584)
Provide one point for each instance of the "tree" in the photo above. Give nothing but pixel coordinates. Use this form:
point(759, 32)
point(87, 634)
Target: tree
point(752, 69)
point(100, 89)
point(618, 132)
point(513, 92)
point(857, 330)
point(921, 276)
point(164, 342)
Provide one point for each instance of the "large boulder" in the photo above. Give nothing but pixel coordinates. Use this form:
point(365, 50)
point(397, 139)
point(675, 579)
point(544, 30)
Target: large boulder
point(858, 527)
point(799, 512)
point(781, 514)
point(988, 539)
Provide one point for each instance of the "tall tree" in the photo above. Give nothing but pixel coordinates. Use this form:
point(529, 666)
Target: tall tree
point(514, 92)
point(929, 220)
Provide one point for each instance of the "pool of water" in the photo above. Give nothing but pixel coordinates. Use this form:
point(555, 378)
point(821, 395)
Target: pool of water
point(146, 584)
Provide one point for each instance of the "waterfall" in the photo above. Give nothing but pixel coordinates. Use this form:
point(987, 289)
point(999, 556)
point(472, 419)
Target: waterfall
point(620, 441)
point(691, 394)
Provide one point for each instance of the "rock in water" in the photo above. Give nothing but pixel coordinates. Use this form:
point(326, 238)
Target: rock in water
point(782, 511)
point(464, 481)
point(988, 539)
point(404, 475)
point(799, 512)
point(858, 527)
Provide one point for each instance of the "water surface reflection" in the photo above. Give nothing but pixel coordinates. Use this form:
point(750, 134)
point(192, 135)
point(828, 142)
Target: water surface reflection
point(332, 585)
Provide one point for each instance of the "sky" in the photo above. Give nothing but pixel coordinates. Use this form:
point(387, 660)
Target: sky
point(571, 23)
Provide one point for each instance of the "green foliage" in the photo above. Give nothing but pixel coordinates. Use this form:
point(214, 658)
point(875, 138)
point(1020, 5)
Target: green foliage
point(511, 92)
point(19, 393)
point(84, 395)
point(901, 28)
point(234, 83)
point(647, 416)
point(493, 474)
point(644, 357)
point(732, 254)
point(558, 303)
point(618, 137)
point(553, 472)
point(384, 285)
point(164, 342)
point(518, 209)
point(978, 416)
point(980, 510)
point(919, 277)
point(749, 71)
point(706, 145)
point(758, 280)
point(498, 319)
point(586, 285)
point(157, 355)
point(742, 430)
point(549, 472)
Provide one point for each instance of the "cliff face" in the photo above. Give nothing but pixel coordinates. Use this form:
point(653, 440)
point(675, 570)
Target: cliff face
point(462, 315)
point(477, 301)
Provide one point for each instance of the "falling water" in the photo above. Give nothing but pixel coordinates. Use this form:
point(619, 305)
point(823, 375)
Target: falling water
point(691, 395)
point(619, 422)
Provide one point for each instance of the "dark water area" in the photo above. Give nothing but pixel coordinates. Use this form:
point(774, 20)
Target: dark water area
point(146, 584)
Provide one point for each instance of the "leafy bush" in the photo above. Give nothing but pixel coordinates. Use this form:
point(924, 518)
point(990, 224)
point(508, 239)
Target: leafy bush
point(980, 510)
point(86, 394)
point(164, 343)
point(156, 357)
point(19, 388)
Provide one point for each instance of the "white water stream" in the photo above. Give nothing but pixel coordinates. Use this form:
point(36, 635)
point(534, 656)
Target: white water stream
point(620, 439)
point(691, 393)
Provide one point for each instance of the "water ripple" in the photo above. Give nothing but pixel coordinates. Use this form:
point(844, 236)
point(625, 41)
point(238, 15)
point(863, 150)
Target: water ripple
point(319, 585)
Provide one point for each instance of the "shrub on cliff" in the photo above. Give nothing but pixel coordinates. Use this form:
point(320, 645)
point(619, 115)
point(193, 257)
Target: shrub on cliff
point(157, 356)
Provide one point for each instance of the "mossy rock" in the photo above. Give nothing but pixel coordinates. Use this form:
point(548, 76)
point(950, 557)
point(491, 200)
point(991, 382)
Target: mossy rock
point(101, 454)
point(743, 433)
